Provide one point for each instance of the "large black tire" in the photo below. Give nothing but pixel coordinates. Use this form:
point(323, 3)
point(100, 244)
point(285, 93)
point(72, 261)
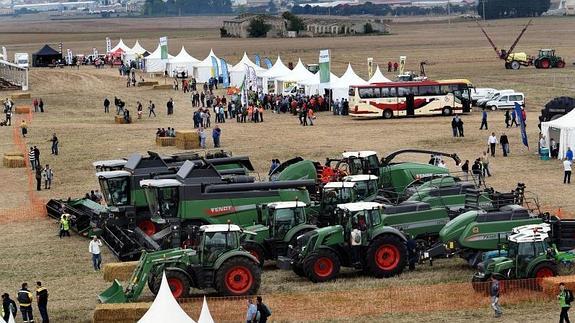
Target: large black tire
point(446, 111)
point(238, 276)
point(545, 269)
point(387, 114)
point(154, 283)
point(321, 266)
point(256, 250)
point(386, 256)
point(179, 283)
point(298, 270)
point(515, 65)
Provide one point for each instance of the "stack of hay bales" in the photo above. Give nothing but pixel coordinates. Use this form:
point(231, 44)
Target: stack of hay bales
point(121, 120)
point(163, 87)
point(165, 141)
point(119, 270)
point(187, 139)
point(23, 109)
point(120, 313)
point(21, 95)
point(14, 160)
point(148, 83)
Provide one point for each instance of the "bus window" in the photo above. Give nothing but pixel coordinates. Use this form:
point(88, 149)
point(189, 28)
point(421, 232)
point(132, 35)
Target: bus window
point(444, 90)
point(366, 93)
point(351, 91)
point(388, 92)
point(429, 90)
point(402, 91)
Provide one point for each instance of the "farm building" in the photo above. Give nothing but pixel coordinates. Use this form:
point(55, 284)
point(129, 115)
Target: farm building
point(238, 26)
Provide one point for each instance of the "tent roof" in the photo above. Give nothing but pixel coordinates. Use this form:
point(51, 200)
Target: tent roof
point(566, 121)
point(121, 46)
point(299, 73)
point(348, 78)
point(278, 69)
point(207, 62)
point(378, 77)
point(47, 51)
point(240, 66)
point(314, 80)
point(165, 308)
point(184, 57)
point(158, 53)
point(205, 315)
point(137, 49)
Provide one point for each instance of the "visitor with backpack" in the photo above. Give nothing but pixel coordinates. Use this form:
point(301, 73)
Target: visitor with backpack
point(263, 311)
point(565, 298)
point(25, 301)
point(494, 294)
point(8, 306)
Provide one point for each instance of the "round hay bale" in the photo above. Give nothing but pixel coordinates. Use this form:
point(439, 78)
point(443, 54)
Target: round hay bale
point(120, 313)
point(23, 109)
point(119, 270)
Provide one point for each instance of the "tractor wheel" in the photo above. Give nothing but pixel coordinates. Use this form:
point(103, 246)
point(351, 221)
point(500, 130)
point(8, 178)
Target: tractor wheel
point(256, 250)
point(298, 270)
point(446, 111)
point(238, 276)
point(179, 283)
point(560, 64)
point(507, 66)
point(321, 266)
point(544, 63)
point(387, 114)
point(515, 65)
point(386, 256)
point(148, 227)
point(154, 283)
point(543, 270)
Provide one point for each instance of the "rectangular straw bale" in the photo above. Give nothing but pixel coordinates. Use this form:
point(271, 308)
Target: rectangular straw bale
point(119, 270)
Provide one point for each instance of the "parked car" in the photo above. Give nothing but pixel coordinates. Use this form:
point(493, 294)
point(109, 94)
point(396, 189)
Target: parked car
point(481, 93)
point(494, 96)
point(506, 101)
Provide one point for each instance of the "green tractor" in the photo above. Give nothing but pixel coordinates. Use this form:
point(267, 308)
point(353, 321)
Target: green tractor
point(531, 253)
point(217, 262)
point(547, 59)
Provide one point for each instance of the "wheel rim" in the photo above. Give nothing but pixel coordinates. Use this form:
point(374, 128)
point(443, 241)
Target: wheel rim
point(387, 257)
point(176, 286)
point(148, 227)
point(545, 64)
point(239, 280)
point(387, 114)
point(544, 272)
point(323, 267)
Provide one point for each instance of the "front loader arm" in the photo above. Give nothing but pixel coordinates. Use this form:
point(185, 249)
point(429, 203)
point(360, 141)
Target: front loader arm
point(385, 161)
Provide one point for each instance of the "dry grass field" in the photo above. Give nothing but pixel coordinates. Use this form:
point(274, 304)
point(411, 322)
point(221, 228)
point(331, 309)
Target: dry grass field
point(31, 250)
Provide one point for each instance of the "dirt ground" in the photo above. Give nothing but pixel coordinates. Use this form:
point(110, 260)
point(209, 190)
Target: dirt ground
point(32, 251)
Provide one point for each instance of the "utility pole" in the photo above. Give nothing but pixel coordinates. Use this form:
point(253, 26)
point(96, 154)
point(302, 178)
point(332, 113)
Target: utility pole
point(448, 13)
point(483, 3)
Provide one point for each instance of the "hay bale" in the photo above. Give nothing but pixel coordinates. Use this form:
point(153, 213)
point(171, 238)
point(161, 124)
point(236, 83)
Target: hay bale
point(120, 313)
point(148, 83)
point(14, 153)
point(187, 139)
point(119, 270)
point(23, 109)
point(121, 120)
point(187, 134)
point(550, 285)
point(14, 162)
point(21, 95)
point(165, 141)
point(163, 87)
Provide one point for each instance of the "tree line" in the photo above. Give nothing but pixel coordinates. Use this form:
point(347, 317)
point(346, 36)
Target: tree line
point(369, 8)
point(512, 8)
point(186, 7)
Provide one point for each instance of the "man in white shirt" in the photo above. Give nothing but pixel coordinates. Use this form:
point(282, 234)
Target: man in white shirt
point(94, 249)
point(492, 143)
point(355, 242)
point(567, 167)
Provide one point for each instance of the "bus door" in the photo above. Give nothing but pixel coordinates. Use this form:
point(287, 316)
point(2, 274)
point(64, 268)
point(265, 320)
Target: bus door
point(410, 104)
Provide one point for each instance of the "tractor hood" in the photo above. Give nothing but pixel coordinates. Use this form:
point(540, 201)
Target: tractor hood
point(304, 169)
point(453, 230)
point(256, 228)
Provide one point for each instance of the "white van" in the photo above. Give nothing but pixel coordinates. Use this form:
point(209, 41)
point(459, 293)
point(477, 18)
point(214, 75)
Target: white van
point(494, 96)
point(506, 101)
point(481, 93)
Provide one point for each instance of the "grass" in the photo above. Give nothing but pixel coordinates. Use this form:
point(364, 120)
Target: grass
point(31, 250)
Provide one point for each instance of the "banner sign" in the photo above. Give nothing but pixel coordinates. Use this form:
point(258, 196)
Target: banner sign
point(268, 62)
point(95, 52)
point(369, 67)
point(69, 57)
point(324, 66)
point(519, 114)
point(108, 45)
point(402, 60)
point(257, 60)
point(215, 71)
point(225, 76)
point(164, 47)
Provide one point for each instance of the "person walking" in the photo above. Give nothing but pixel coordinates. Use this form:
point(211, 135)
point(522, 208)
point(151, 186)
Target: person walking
point(38, 177)
point(252, 312)
point(24, 128)
point(263, 310)
point(106, 105)
point(476, 170)
point(8, 117)
point(465, 169)
point(32, 158)
point(64, 225)
point(25, 301)
point(42, 300)
point(202, 135)
point(460, 126)
point(567, 168)
point(389, 66)
point(507, 119)
point(569, 154)
point(216, 133)
point(483, 120)
point(41, 105)
point(492, 141)
point(47, 175)
point(170, 106)
point(94, 249)
point(485, 164)
point(151, 108)
point(494, 294)
point(504, 142)
point(565, 298)
point(55, 143)
point(395, 66)
point(8, 307)
point(513, 119)
point(37, 156)
point(454, 126)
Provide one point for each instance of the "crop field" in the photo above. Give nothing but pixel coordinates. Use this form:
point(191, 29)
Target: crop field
point(73, 98)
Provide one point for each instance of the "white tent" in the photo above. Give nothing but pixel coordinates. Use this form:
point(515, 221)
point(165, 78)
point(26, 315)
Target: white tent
point(277, 70)
point(165, 308)
point(312, 85)
point(182, 62)
point(340, 87)
point(378, 77)
point(133, 53)
point(238, 71)
point(562, 130)
point(299, 73)
point(121, 46)
point(203, 70)
point(154, 62)
point(205, 315)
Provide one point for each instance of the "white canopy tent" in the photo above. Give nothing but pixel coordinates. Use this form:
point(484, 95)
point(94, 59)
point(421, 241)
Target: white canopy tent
point(378, 77)
point(313, 86)
point(238, 71)
point(299, 73)
point(121, 46)
point(134, 53)
point(562, 130)
point(340, 87)
point(154, 62)
point(203, 70)
point(205, 315)
point(165, 308)
point(277, 70)
point(183, 62)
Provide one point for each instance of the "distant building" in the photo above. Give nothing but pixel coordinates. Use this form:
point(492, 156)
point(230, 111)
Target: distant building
point(238, 26)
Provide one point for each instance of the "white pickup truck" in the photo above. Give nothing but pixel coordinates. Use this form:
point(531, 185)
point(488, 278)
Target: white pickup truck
point(21, 59)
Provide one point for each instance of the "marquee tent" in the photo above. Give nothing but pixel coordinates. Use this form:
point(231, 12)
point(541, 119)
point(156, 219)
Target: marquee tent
point(340, 87)
point(121, 46)
point(238, 71)
point(154, 62)
point(165, 308)
point(562, 130)
point(312, 85)
point(299, 73)
point(205, 315)
point(277, 70)
point(378, 77)
point(45, 56)
point(183, 62)
point(134, 53)
point(203, 70)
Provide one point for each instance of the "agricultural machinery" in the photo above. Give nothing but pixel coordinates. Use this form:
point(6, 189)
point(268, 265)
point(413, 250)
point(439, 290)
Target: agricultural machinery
point(532, 252)
point(545, 59)
point(215, 261)
point(556, 108)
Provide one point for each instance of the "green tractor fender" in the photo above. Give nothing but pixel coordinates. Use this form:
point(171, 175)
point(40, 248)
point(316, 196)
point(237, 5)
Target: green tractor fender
point(298, 230)
point(386, 230)
point(191, 278)
point(231, 254)
point(503, 266)
point(541, 267)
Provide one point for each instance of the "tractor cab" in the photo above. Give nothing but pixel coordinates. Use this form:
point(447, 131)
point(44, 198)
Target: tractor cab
point(163, 198)
point(364, 215)
point(109, 165)
point(115, 187)
point(366, 186)
point(546, 52)
point(283, 216)
point(361, 162)
point(217, 239)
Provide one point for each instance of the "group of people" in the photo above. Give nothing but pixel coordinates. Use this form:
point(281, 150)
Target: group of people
point(258, 312)
point(392, 66)
point(216, 134)
point(25, 299)
point(38, 105)
point(170, 132)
